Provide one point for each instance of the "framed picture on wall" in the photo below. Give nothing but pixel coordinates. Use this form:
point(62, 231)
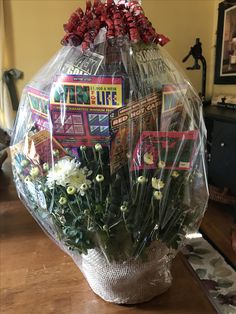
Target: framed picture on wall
point(225, 66)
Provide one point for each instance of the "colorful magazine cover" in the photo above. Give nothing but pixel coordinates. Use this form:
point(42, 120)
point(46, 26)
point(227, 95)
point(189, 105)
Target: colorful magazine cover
point(87, 63)
point(173, 109)
point(39, 147)
point(125, 122)
point(39, 104)
point(147, 68)
point(175, 148)
point(87, 101)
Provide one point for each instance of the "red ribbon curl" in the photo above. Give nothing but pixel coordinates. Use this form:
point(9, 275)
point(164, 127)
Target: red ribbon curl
point(124, 18)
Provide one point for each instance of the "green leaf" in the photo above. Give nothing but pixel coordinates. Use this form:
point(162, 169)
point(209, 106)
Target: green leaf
point(224, 283)
point(215, 262)
point(222, 272)
point(201, 272)
point(193, 254)
point(195, 259)
point(201, 251)
point(214, 294)
point(99, 208)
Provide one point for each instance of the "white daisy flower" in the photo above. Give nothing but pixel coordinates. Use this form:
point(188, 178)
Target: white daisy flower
point(175, 174)
point(66, 172)
point(56, 153)
point(99, 178)
point(141, 180)
point(161, 164)
point(123, 208)
point(78, 179)
point(61, 171)
point(62, 201)
point(34, 172)
point(71, 190)
point(45, 166)
point(148, 158)
point(98, 147)
point(83, 148)
point(157, 184)
point(158, 195)
point(83, 188)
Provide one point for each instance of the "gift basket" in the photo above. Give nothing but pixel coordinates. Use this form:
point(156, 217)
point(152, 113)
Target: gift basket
point(108, 151)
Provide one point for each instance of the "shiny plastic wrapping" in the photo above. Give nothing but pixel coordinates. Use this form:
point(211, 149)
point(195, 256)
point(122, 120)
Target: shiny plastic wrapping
point(108, 155)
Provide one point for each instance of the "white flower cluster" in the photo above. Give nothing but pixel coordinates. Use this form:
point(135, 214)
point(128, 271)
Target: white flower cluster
point(66, 172)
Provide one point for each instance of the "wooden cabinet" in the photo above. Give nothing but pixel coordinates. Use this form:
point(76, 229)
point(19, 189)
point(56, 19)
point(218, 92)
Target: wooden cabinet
point(221, 128)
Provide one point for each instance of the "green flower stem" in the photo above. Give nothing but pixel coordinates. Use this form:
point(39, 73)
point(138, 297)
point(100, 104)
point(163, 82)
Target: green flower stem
point(115, 224)
point(77, 202)
point(145, 172)
point(100, 190)
point(68, 203)
point(88, 201)
point(136, 193)
point(147, 217)
point(72, 210)
point(94, 154)
point(88, 222)
point(152, 209)
point(107, 206)
point(125, 221)
point(95, 193)
point(141, 199)
point(85, 156)
point(100, 160)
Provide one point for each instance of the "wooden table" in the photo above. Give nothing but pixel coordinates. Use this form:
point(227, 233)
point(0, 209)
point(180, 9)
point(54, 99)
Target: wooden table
point(37, 277)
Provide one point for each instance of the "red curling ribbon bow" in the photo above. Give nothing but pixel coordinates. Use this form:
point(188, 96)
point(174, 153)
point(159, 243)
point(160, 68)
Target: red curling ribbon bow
point(121, 19)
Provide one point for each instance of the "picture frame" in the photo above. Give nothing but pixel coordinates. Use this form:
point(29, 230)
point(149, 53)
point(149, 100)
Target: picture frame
point(225, 63)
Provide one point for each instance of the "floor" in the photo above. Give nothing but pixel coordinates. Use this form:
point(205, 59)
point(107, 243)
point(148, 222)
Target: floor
point(213, 258)
point(217, 276)
point(217, 226)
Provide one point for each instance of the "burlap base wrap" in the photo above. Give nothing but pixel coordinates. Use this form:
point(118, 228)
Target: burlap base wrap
point(130, 282)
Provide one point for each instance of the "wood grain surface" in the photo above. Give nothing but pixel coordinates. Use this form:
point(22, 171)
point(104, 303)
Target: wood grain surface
point(217, 225)
point(37, 277)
